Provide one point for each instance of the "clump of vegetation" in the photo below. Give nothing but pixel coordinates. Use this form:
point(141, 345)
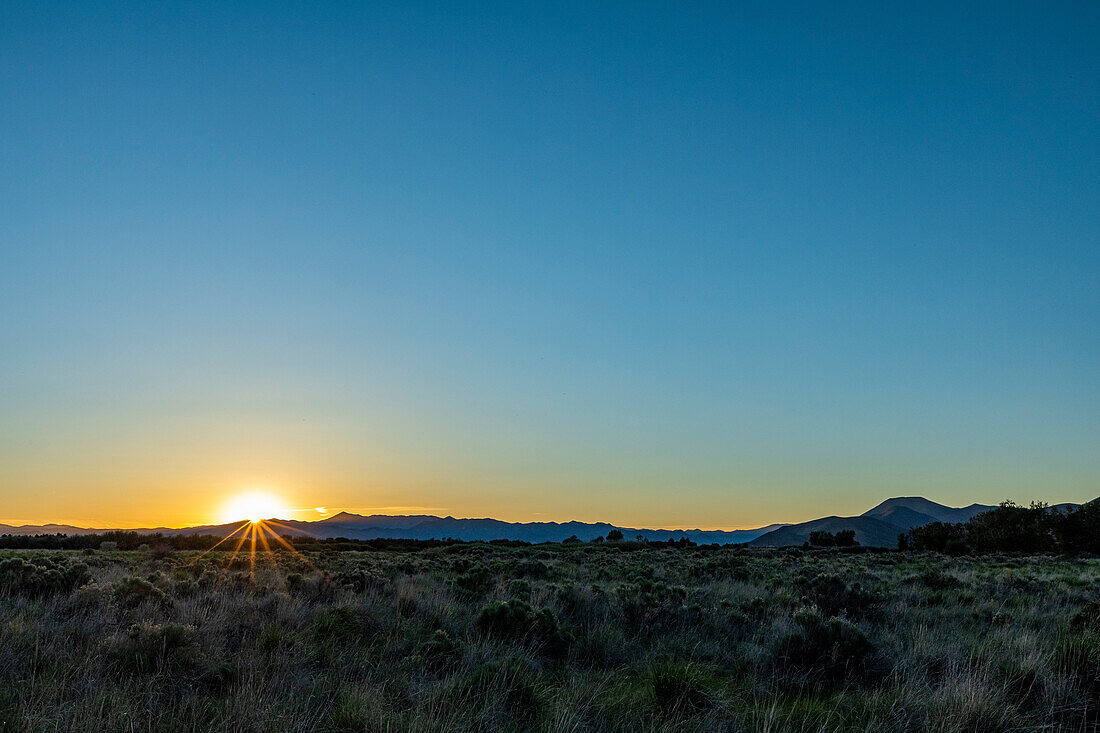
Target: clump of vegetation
point(133, 591)
point(508, 691)
point(679, 687)
point(829, 648)
point(154, 647)
point(616, 636)
point(340, 624)
point(832, 595)
point(1038, 528)
point(841, 538)
point(517, 619)
point(42, 576)
point(440, 650)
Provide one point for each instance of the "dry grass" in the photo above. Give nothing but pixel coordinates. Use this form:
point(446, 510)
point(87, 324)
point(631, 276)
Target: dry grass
point(634, 639)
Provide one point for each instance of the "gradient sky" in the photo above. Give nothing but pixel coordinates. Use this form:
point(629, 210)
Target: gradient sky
point(711, 266)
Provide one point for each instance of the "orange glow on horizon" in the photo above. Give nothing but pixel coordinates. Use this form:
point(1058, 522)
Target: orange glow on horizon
point(253, 506)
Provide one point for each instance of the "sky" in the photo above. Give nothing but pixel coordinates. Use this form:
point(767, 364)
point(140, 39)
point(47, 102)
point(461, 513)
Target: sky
point(716, 265)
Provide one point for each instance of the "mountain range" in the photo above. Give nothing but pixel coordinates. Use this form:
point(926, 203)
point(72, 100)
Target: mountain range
point(877, 527)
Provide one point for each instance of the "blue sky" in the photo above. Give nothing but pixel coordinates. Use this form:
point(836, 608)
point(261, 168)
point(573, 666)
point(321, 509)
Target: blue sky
point(706, 266)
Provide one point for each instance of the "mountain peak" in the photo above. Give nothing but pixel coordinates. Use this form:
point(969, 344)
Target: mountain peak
point(916, 503)
point(342, 517)
point(920, 505)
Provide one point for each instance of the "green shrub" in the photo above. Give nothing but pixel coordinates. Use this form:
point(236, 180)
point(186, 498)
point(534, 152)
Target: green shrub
point(273, 637)
point(154, 647)
point(937, 580)
point(516, 619)
point(340, 624)
point(832, 595)
point(646, 603)
point(534, 569)
point(1077, 655)
point(475, 581)
point(1087, 617)
point(132, 591)
point(217, 679)
point(349, 714)
point(439, 650)
point(45, 576)
point(512, 685)
point(679, 687)
point(518, 588)
point(832, 649)
point(315, 587)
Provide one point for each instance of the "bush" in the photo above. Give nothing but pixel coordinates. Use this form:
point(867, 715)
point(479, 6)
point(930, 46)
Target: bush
point(831, 649)
point(516, 619)
point(340, 624)
point(512, 683)
point(648, 602)
point(1087, 618)
point(45, 576)
point(679, 687)
point(832, 595)
point(475, 581)
point(840, 538)
point(439, 650)
point(132, 591)
point(155, 647)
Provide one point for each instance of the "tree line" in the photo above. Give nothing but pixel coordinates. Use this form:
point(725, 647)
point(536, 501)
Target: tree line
point(1038, 528)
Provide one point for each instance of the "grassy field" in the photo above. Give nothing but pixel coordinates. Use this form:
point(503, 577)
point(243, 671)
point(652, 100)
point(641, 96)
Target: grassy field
point(612, 637)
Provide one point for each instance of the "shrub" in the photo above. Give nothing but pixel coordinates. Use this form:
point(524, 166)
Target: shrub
point(937, 580)
point(132, 591)
point(45, 576)
point(832, 595)
point(534, 569)
point(153, 647)
point(315, 587)
point(516, 619)
point(830, 648)
point(513, 684)
point(272, 638)
point(478, 580)
point(1077, 655)
point(1087, 617)
point(218, 678)
point(646, 602)
point(339, 624)
point(679, 687)
point(439, 650)
point(518, 587)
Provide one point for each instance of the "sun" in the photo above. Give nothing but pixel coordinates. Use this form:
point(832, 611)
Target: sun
point(254, 506)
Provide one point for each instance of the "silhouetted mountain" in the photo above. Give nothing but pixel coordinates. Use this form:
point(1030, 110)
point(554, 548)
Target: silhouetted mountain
point(422, 527)
point(347, 519)
point(877, 527)
point(903, 516)
point(32, 529)
point(870, 532)
point(354, 526)
point(880, 526)
point(920, 505)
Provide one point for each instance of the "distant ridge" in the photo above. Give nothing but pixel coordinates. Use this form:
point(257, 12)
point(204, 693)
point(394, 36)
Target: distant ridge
point(920, 505)
point(880, 525)
point(877, 527)
point(425, 526)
